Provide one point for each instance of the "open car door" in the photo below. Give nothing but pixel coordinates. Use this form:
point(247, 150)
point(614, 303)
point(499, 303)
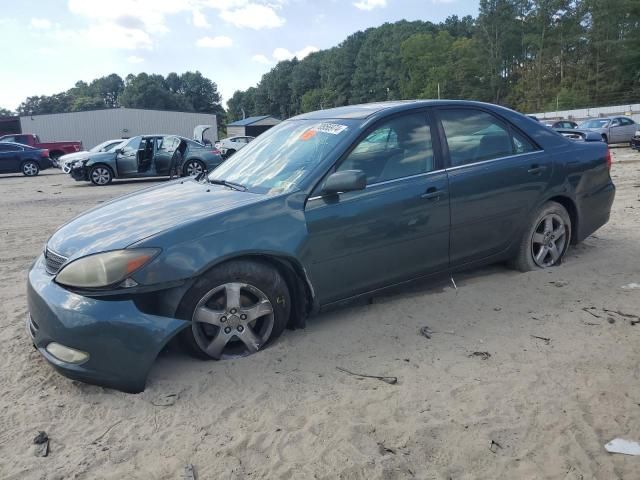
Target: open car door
point(166, 153)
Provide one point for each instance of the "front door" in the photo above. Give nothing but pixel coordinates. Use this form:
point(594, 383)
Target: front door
point(496, 176)
point(127, 158)
point(396, 229)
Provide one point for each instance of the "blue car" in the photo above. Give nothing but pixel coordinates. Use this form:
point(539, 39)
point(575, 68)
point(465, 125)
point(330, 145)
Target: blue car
point(146, 156)
point(18, 158)
point(323, 208)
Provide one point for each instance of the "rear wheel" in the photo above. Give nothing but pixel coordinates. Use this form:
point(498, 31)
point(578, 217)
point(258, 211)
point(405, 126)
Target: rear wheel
point(546, 241)
point(100, 175)
point(30, 168)
point(235, 310)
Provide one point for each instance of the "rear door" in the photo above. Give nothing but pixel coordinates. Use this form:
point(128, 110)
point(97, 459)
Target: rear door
point(629, 128)
point(496, 176)
point(165, 149)
point(397, 228)
point(9, 158)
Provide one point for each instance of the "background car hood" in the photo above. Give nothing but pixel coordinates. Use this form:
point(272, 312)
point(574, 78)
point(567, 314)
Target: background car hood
point(129, 219)
point(74, 156)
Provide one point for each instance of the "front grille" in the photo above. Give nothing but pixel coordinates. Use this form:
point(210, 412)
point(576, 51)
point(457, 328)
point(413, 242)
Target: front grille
point(53, 261)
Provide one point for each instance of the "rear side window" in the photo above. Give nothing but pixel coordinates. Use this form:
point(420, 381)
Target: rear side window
point(626, 121)
point(9, 148)
point(474, 136)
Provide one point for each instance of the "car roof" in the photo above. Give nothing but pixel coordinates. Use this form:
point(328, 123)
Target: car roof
point(366, 110)
point(16, 144)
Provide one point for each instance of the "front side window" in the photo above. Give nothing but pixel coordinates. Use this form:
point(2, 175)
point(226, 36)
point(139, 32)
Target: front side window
point(282, 157)
point(398, 148)
point(132, 145)
point(475, 136)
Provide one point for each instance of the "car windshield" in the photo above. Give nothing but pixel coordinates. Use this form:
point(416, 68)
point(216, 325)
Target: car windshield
point(595, 124)
point(105, 146)
point(278, 160)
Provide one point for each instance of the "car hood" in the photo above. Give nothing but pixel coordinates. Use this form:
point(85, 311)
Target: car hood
point(129, 219)
point(74, 156)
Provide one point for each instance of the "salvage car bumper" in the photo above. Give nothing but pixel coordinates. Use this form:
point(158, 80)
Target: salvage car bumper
point(115, 343)
point(79, 174)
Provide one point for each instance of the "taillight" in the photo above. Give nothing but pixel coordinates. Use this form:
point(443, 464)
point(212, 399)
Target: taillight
point(44, 153)
point(608, 157)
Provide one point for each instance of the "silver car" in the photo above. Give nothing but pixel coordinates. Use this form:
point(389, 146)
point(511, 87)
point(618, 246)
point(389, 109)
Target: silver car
point(612, 129)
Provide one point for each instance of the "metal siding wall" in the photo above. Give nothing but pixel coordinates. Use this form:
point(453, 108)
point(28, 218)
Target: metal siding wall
point(96, 126)
point(584, 113)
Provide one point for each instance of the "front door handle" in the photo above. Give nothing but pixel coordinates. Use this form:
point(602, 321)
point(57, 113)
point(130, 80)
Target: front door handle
point(536, 169)
point(432, 193)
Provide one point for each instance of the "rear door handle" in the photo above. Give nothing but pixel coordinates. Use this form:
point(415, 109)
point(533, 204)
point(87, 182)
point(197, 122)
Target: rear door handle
point(432, 193)
point(536, 169)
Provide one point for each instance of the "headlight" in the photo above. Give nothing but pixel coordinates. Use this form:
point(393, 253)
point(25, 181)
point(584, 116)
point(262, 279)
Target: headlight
point(105, 269)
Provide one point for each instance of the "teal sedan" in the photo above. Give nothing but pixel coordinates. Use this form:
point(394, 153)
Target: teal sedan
point(323, 208)
point(146, 156)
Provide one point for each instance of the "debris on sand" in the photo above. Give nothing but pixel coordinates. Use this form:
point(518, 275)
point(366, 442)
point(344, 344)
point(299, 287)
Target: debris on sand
point(626, 447)
point(631, 286)
point(546, 340)
point(494, 446)
point(189, 472)
point(42, 444)
point(482, 355)
point(426, 332)
point(389, 380)
point(559, 283)
point(165, 400)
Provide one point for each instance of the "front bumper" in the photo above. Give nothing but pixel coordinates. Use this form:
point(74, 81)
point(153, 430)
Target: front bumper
point(122, 341)
point(79, 173)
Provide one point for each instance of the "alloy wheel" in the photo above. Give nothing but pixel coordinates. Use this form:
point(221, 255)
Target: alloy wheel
point(30, 169)
point(100, 175)
point(232, 320)
point(194, 168)
point(549, 240)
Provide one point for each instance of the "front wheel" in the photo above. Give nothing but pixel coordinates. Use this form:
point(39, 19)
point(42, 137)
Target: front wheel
point(546, 241)
point(193, 168)
point(100, 175)
point(30, 168)
point(235, 310)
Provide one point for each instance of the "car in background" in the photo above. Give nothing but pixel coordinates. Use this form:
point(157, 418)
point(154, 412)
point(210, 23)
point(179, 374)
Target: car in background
point(147, 156)
point(56, 149)
point(635, 141)
point(18, 158)
point(619, 129)
point(230, 145)
point(564, 124)
point(302, 220)
point(65, 161)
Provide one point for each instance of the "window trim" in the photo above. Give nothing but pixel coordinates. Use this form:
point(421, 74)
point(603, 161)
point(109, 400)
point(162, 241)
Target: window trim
point(508, 125)
point(436, 145)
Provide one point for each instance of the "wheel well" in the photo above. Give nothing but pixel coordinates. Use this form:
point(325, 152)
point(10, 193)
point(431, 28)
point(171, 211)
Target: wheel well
point(605, 138)
point(297, 282)
point(568, 204)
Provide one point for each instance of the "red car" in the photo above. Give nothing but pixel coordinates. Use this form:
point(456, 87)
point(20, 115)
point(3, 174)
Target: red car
point(56, 149)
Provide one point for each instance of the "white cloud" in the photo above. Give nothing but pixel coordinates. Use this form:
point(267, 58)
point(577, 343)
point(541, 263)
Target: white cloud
point(370, 4)
point(40, 23)
point(281, 54)
point(214, 42)
point(135, 59)
point(199, 19)
point(253, 16)
point(261, 59)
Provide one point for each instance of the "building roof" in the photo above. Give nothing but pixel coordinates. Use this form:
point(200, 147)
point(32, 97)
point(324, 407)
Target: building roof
point(248, 121)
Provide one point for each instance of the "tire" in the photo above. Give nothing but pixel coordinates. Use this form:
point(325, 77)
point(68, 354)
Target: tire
point(229, 153)
point(534, 251)
point(30, 168)
point(192, 168)
point(222, 327)
point(100, 175)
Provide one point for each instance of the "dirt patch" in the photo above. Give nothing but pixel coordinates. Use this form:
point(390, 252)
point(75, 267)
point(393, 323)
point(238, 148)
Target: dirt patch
point(531, 408)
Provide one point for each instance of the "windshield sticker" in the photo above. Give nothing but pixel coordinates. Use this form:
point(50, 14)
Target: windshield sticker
point(332, 128)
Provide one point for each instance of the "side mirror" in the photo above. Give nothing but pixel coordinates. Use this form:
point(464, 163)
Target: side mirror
point(345, 181)
point(118, 151)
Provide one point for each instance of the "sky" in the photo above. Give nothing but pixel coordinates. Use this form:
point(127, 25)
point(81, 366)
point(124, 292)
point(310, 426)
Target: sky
point(48, 45)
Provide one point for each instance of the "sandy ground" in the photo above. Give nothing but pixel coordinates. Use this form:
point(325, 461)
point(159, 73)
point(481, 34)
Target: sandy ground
point(287, 412)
